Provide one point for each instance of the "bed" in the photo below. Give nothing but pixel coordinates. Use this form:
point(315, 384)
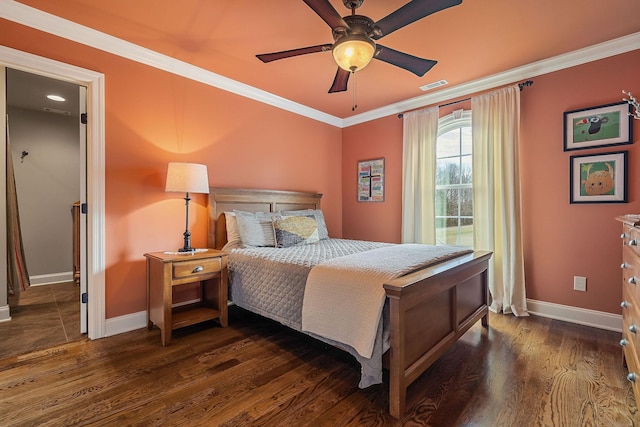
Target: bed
point(425, 311)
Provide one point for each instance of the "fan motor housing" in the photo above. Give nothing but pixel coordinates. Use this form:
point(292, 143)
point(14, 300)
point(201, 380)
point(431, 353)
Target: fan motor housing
point(358, 24)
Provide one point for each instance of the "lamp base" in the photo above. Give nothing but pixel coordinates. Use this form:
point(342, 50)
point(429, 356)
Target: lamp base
point(187, 250)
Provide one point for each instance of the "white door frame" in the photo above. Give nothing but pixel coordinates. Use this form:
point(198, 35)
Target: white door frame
point(95, 151)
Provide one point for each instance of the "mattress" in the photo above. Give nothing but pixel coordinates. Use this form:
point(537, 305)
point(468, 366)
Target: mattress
point(270, 282)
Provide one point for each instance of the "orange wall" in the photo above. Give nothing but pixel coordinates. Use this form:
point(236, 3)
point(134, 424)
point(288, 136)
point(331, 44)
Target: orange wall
point(153, 117)
point(560, 239)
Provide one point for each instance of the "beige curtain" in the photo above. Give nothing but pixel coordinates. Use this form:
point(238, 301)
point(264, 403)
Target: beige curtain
point(420, 132)
point(496, 195)
point(17, 274)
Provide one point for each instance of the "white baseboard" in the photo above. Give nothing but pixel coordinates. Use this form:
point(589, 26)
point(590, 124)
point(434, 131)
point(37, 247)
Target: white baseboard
point(133, 321)
point(126, 323)
point(5, 315)
point(50, 279)
point(581, 316)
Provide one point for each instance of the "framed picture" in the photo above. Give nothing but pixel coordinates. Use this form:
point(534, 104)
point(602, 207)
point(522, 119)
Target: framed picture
point(599, 178)
point(597, 126)
point(371, 180)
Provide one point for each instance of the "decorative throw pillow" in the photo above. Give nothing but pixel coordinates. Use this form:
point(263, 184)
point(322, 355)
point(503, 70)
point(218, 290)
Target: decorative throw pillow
point(318, 215)
point(295, 230)
point(256, 228)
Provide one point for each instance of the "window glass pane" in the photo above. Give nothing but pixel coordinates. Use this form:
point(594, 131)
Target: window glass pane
point(452, 202)
point(441, 202)
point(447, 171)
point(466, 140)
point(448, 144)
point(441, 232)
point(465, 170)
point(466, 232)
point(466, 201)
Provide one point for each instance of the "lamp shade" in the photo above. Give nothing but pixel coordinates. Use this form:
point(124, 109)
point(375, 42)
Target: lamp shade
point(353, 52)
point(187, 178)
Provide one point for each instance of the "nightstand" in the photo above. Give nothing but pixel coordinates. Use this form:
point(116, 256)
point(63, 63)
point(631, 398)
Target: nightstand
point(168, 269)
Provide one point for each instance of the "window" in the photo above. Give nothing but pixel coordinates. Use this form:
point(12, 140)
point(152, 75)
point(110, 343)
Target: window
point(454, 187)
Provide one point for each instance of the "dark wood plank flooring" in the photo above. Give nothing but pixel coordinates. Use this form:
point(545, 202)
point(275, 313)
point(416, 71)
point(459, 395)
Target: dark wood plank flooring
point(520, 372)
point(41, 317)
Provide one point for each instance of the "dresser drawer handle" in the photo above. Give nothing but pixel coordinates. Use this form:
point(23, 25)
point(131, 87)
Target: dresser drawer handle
point(631, 376)
point(633, 329)
point(624, 235)
point(624, 304)
point(624, 265)
point(632, 280)
point(633, 242)
point(198, 269)
point(624, 342)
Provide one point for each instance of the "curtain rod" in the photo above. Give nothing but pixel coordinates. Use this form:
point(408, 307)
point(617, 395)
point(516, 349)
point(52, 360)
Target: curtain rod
point(520, 85)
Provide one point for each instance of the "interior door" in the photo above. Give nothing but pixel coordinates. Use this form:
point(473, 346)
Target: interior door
point(84, 297)
point(4, 297)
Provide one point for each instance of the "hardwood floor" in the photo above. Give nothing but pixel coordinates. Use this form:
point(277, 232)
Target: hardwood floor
point(41, 317)
point(520, 372)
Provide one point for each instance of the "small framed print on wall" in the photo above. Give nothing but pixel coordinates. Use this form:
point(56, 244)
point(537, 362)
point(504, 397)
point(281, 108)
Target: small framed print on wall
point(599, 178)
point(597, 126)
point(371, 180)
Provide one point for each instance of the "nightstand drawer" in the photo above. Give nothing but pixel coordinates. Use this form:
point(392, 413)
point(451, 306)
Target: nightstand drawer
point(196, 267)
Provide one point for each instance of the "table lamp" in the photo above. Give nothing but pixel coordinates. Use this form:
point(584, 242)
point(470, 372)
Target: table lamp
point(187, 178)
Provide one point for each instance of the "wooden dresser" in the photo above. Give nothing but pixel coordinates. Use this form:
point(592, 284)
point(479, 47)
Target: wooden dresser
point(630, 304)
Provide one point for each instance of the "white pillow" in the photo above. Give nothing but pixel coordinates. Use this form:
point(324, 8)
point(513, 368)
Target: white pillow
point(233, 235)
point(256, 228)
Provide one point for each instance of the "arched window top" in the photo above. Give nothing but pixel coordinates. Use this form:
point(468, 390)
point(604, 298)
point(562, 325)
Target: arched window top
point(455, 120)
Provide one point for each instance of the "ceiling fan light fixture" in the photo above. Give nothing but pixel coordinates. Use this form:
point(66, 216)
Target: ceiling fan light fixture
point(353, 52)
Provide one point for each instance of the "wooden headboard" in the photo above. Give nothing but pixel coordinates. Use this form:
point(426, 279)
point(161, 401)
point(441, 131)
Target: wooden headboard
point(227, 199)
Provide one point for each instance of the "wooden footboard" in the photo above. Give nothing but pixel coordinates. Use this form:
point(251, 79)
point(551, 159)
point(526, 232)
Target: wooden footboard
point(429, 311)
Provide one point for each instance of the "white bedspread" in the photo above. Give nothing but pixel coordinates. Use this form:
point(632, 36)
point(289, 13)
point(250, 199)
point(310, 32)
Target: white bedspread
point(344, 296)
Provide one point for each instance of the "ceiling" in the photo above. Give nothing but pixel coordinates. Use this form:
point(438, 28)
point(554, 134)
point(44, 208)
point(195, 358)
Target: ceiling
point(471, 41)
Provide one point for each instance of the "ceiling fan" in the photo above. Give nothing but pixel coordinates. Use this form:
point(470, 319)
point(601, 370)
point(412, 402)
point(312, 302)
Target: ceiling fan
point(354, 36)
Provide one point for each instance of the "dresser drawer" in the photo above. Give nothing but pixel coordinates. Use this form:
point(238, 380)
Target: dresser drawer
point(196, 267)
point(631, 237)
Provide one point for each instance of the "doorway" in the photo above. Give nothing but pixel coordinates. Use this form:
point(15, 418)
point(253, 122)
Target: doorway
point(47, 139)
point(95, 197)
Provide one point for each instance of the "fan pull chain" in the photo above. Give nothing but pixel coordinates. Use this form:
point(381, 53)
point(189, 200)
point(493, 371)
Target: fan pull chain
point(354, 105)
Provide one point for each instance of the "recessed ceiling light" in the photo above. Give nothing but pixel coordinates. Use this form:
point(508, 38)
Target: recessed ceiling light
point(434, 85)
point(57, 98)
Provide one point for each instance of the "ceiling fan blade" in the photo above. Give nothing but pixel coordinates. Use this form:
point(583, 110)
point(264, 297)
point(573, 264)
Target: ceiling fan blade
point(327, 12)
point(411, 12)
point(417, 66)
point(340, 81)
point(268, 57)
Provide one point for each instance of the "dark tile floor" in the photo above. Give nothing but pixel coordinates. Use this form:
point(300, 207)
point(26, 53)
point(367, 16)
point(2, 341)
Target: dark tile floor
point(41, 317)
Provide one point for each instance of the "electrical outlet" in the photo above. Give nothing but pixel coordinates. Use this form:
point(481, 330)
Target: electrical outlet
point(579, 283)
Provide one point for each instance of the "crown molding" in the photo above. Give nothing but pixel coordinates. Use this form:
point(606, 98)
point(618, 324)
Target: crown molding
point(577, 57)
point(46, 22)
point(42, 21)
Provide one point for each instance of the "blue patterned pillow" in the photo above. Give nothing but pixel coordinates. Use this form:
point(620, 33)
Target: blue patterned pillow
point(295, 230)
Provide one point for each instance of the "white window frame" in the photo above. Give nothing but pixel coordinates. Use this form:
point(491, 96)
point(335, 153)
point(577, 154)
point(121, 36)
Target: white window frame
point(456, 120)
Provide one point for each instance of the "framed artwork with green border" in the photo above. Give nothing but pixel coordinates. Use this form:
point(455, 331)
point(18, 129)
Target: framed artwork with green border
point(598, 126)
point(598, 178)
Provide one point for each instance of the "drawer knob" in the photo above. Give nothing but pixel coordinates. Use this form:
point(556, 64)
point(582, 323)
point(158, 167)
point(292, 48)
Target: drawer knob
point(633, 329)
point(624, 342)
point(631, 376)
point(624, 304)
point(624, 235)
point(623, 265)
point(632, 280)
point(198, 269)
point(633, 242)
